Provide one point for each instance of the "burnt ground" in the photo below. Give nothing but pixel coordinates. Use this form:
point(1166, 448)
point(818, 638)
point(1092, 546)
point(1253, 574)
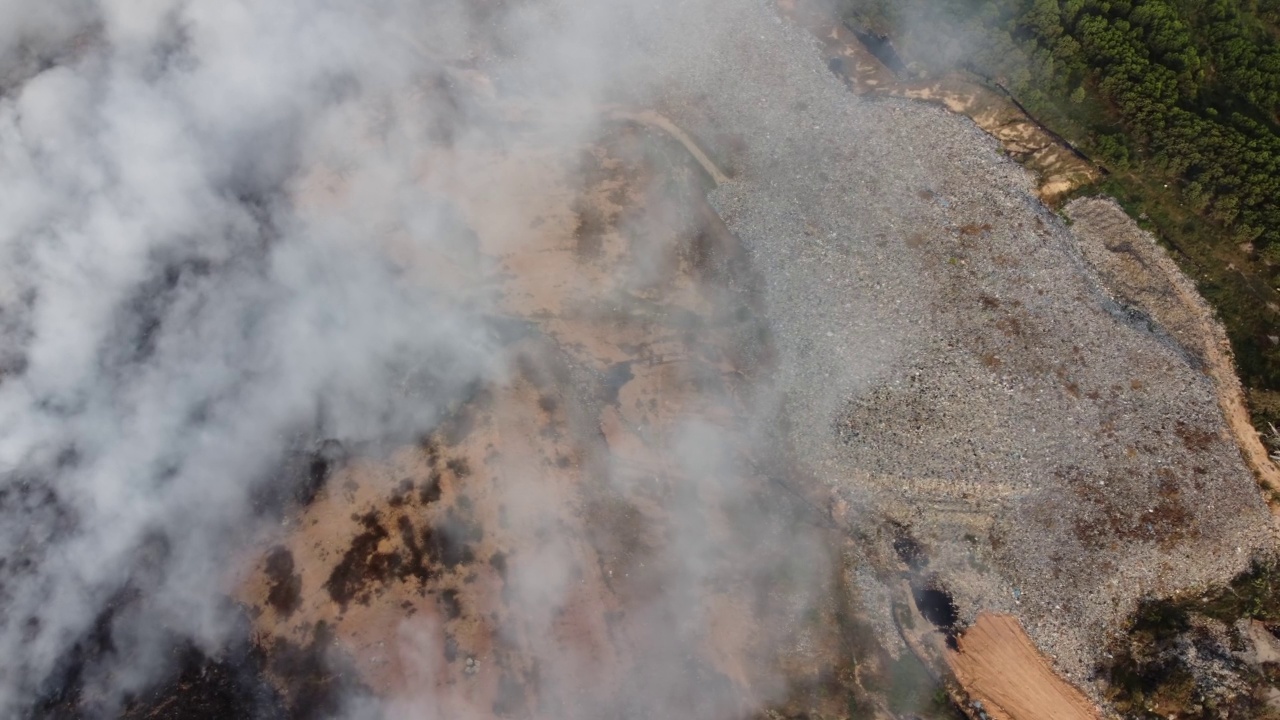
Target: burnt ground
point(240, 680)
point(211, 688)
point(231, 683)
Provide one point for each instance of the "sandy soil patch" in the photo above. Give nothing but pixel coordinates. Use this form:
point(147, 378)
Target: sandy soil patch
point(1001, 668)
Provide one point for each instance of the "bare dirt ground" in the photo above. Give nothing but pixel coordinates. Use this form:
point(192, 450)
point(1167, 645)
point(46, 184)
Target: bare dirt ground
point(1001, 668)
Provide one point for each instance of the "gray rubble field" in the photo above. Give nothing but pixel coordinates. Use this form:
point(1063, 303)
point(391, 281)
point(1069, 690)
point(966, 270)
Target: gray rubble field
point(948, 359)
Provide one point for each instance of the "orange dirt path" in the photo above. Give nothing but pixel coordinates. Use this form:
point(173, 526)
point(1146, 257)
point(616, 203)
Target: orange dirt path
point(999, 666)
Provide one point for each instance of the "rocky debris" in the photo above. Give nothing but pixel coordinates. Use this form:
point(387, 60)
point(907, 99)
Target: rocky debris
point(949, 359)
point(863, 60)
point(1150, 289)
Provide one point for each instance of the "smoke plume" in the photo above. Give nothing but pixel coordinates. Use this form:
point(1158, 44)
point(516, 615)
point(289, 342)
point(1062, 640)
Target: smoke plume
point(205, 299)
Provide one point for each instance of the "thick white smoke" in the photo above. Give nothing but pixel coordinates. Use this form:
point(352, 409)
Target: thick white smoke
point(173, 319)
point(184, 307)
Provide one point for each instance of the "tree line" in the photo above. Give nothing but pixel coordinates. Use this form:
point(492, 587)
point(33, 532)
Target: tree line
point(1188, 88)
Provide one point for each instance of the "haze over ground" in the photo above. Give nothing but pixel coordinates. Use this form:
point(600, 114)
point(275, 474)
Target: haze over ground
point(235, 231)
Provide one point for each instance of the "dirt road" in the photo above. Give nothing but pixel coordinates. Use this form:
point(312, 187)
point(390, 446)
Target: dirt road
point(1001, 668)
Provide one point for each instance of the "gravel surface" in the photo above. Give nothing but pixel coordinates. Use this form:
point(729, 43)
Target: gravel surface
point(946, 356)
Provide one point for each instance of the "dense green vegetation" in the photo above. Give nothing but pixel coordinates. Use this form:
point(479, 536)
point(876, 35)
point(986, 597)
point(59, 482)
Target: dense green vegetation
point(1179, 99)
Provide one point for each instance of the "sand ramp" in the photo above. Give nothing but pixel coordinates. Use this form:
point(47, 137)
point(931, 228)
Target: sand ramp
point(1001, 668)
